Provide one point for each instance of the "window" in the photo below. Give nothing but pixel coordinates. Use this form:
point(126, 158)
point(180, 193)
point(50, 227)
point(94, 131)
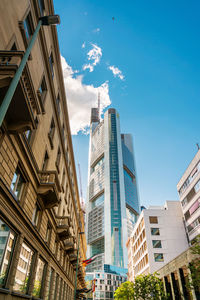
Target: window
point(63, 181)
point(184, 202)
point(158, 257)
point(153, 220)
point(43, 89)
point(45, 162)
point(97, 165)
point(58, 104)
point(193, 225)
point(36, 215)
point(48, 233)
point(155, 231)
point(51, 132)
point(51, 62)
point(56, 287)
point(156, 244)
point(98, 201)
point(194, 207)
point(17, 183)
point(28, 27)
point(50, 283)
point(41, 7)
point(23, 269)
point(38, 278)
point(28, 135)
point(197, 186)
point(58, 159)
point(63, 133)
point(7, 241)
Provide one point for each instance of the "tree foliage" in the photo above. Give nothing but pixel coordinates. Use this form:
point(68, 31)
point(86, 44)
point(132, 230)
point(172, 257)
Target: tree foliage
point(194, 280)
point(125, 291)
point(145, 287)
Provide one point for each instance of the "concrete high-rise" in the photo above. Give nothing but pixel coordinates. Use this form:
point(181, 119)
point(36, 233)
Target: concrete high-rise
point(112, 201)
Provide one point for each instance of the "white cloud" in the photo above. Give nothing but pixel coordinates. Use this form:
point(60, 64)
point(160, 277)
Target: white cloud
point(81, 98)
point(83, 45)
point(116, 72)
point(94, 55)
point(96, 30)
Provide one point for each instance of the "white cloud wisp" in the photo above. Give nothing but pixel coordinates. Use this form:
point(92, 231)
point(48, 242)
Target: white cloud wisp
point(94, 55)
point(116, 72)
point(81, 98)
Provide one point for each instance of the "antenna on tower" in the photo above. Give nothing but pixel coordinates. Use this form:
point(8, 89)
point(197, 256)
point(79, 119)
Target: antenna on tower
point(99, 105)
point(81, 191)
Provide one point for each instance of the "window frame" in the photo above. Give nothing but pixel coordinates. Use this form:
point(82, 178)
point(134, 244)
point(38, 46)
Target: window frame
point(48, 233)
point(42, 95)
point(31, 266)
point(158, 255)
point(45, 161)
point(9, 265)
point(51, 63)
point(26, 40)
point(58, 104)
point(37, 224)
point(58, 159)
point(153, 219)
point(41, 291)
point(51, 132)
point(153, 229)
point(18, 198)
point(154, 242)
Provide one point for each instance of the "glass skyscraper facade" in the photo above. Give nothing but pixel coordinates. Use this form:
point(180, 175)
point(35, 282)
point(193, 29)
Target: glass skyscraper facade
point(112, 202)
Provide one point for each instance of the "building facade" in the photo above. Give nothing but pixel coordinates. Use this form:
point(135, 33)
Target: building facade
point(189, 193)
point(112, 202)
point(176, 276)
point(106, 282)
point(40, 213)
point(158, 237)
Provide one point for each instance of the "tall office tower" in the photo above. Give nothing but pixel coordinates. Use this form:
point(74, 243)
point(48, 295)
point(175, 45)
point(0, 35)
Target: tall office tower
point(112, 202)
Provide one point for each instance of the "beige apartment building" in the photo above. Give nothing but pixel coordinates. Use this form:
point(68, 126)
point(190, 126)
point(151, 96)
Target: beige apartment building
point(189, 192)
point(40, 214)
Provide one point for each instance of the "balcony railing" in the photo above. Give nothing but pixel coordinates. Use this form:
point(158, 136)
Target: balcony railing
point(49, 188)
point(24, 106)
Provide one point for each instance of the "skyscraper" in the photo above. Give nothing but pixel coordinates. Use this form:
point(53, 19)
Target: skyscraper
point(112, 201)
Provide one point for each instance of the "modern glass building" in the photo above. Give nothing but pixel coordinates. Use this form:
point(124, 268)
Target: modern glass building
point(112, 201)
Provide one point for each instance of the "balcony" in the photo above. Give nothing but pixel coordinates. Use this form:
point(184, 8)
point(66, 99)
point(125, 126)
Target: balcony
point(24, 106)
point(64, 228)
point(73, 257)
point(49, 188)
point(70, 245)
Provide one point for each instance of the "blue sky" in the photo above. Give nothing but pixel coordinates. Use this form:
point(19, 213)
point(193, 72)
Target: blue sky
point(155, 44)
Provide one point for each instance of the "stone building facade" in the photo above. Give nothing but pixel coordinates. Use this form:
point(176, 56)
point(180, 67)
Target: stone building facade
point(175, 276)
point(40, 213)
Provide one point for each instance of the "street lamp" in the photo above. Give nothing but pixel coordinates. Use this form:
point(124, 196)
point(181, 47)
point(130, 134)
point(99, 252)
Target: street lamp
point(44, 21)
point(77, 265)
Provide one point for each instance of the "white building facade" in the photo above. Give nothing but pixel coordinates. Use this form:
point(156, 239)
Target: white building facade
point(158, 237)
point(189, 193)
